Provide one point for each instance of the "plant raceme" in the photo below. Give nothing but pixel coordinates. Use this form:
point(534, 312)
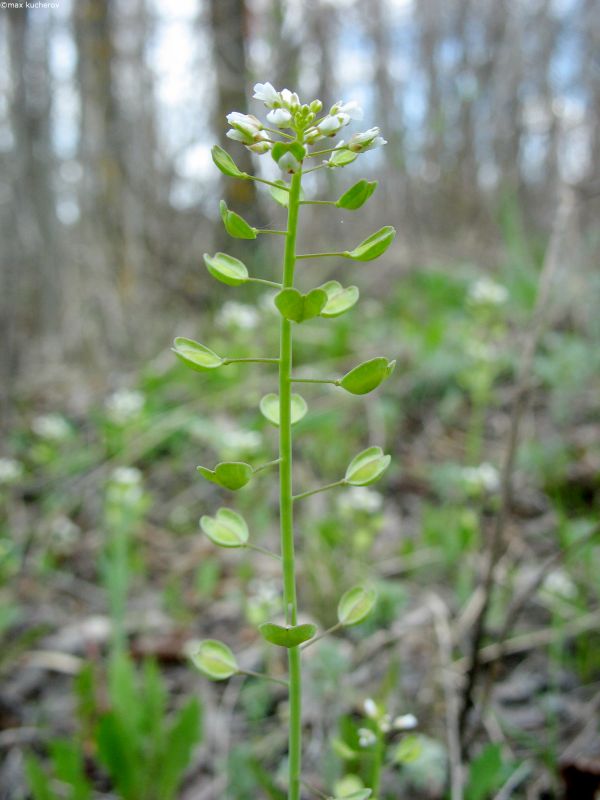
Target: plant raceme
point(296, 135)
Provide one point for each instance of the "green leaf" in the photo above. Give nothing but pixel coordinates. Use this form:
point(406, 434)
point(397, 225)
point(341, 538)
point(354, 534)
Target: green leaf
point(367, 467)
point(299, 307)
point(119, 753)
point(181, 738)
point(373, 246)
point(287, 636)
point(269, 407)
point(281, 148)
point(282, 195)
point(196, 355)
point(226, 269)
point(69, 767)
point(341, 158)
point(355, 605)
point(226, 528)
point(367, 376)
point(339, 300)
point(226, 163)
point(37, 780)
point(357, 195)
point(214, 659)
point(363, 794)
point(229, 474)
point(486, 773)
point(235, 225)
point(348, 785)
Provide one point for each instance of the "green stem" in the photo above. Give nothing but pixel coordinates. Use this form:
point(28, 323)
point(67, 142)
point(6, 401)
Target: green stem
point(333, 381)
point(318, 203)
point(322, 255)
point(267, 465)
point(320, 489)
point(249, 177)
point(265, 282)
point(268, 230)
point(227, 361)
point(262, 675)
point(285, 498)
point(377, 764)
point(262, 550)
point(333, 629)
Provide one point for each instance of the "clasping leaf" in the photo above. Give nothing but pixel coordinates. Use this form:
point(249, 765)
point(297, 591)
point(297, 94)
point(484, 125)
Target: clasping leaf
point(355, 605)
point(367, 467)
point(196, 355)
point(373, 246)
point(357, 195)
point(282, 195)
point(367, 376)
point(214, 659)
point(226, 269)
point(235, 225)
point(229, 474)
point(287, 636)
point(269, 407)
point(299, 307)
point(226, 163)
point(339, 300)
point(226, 529)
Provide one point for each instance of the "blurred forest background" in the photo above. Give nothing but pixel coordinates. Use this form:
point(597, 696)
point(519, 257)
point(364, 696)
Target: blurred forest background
point(482, 540)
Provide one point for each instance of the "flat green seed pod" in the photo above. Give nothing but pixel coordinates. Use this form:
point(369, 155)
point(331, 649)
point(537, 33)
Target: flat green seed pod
point(367, 376)
point(367, 467)
point(373, 246)
point(355, 605)
point(269, 408)
point(226, 268)
point(299, 307)
point(226, 529)
point(235, 225)
point(229, 474)
point(214, 659)
point(339, 300)
point(196, 355)
point(357, 195)
point(287, 636)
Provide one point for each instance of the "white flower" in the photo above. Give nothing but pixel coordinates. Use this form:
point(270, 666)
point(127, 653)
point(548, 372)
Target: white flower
point(290, 99)
point(331, 124)
point(484, 478)
point(124, 404)
point(360, 498)
point(405, 722)
point(245, 128)
point(266, 93)
point(239, 441)
point(366, 140)
point(51, 426)
point(351, 109)
point(485, 291)
point(559, 583)
point(10, 471)
point(385, 723)
point(126, 476)
point(370, 708)
point(280, 117)
point(64, 532)
point(366, 737)
point(238, 315)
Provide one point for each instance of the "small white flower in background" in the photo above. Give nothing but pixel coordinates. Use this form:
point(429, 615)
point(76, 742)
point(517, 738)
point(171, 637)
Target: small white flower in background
point(559, 583)
point(405, 722)
point(52, 427)
point(264, 591)
point(124, 404)
point(11, 471)
point(238, 315)
point(360, 498)
point(385, 723)
point(267, 93)
point(366, 737)
point(484, 478)
point(280, 117)
point(126, 476)
point(366, 140)
point(65, 533)
point(487, 292)
point(240, 441)
point(370, 708)
point(480, 351)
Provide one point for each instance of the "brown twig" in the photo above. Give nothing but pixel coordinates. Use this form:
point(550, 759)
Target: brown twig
point(497, 542)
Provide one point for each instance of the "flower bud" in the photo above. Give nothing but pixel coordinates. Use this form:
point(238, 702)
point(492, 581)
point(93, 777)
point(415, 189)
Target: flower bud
point(316, 106)
point(366, 140)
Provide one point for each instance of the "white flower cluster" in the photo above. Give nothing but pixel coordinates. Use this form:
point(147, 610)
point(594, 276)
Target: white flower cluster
point(238, 315)
point(486, 292)
point(385, 723)
point(11, 471)
point(286, 111)
point(125, 486)
point(51, 427)
point(359, 498)
point(484, 478)
point(124, 405)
